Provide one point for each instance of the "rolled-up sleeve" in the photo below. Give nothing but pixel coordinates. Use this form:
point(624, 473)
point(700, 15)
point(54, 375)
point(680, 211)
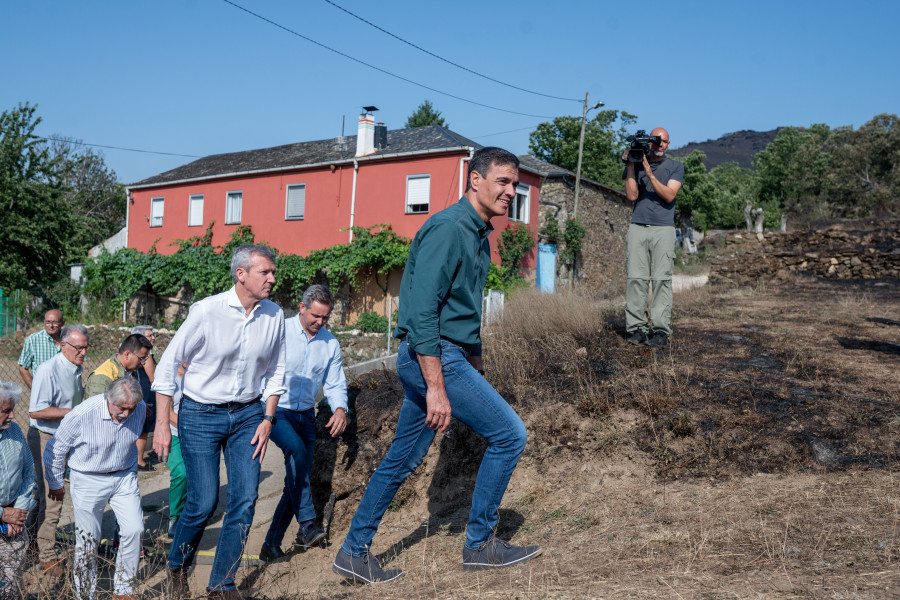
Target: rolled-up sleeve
point(275, 373)
point(335, 386)
point(437, 259)
point(188, 337)
point(57, 449)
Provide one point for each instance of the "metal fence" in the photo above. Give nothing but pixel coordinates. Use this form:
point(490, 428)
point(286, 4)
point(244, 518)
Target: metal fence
point(104, 342)
point(8, 313)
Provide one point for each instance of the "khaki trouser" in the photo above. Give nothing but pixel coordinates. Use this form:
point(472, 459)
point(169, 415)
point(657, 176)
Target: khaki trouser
point(48, 510)
point(651, 257)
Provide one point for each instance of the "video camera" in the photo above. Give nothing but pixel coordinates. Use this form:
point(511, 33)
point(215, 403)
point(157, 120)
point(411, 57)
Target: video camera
point(640, 145)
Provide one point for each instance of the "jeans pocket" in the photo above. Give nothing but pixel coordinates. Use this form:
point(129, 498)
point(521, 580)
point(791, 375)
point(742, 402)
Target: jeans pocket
point(406, 358)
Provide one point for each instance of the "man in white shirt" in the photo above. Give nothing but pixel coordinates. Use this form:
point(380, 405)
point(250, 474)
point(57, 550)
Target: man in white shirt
point(100, 434)
point(313, 360)
point(233, 343)
point(56, 389)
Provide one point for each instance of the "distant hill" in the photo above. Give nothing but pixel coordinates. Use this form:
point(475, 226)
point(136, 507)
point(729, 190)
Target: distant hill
point(739, 147)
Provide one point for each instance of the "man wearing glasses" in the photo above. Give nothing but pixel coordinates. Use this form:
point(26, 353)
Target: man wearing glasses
point(41, 346)
point(56, 389)
point(652, 186)
point(133, 353)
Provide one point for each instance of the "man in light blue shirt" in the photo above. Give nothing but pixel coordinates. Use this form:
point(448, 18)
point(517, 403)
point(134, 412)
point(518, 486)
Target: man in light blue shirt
point(16, 493)
point(312, 360)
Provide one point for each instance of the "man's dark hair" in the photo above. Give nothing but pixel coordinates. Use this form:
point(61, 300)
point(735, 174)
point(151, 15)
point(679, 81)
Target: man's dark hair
point(134, 342)
point(317, 293)
point(484, 159)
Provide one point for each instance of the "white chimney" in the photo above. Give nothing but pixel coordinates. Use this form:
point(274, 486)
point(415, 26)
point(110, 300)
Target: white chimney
point(365, 137)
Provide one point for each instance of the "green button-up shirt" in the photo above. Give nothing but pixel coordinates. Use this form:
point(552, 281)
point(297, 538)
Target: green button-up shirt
point(443, 282)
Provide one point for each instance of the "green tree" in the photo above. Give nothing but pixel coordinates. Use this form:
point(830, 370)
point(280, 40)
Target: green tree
point(425, 115)
point(604, 141)
point(735, 186)
point(698, 194)
point(96, 198)
point(35, 218)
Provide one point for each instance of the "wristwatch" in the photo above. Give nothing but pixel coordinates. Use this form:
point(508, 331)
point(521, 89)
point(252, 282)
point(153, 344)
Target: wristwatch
point(271, 419)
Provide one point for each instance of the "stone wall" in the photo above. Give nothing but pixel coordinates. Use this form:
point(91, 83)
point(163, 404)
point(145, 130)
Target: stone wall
point(865, 249)
point(600, 270)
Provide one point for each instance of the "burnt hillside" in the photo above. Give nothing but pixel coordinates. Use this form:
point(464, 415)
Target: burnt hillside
point(739, 147)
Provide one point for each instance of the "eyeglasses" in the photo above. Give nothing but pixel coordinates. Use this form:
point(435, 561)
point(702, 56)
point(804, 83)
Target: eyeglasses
point(143, 359)
point(53, 322)
point(663, 141)
point(79, 349)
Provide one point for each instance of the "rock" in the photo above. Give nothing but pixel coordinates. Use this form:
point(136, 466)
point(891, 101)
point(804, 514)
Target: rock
point(581, 353)
point(855, 261)
point(834, 261)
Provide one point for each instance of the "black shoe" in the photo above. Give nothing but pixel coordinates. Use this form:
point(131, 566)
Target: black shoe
point(268, 553)
point(362, 569)
point(637, 337)
point(657, 340)
point(313, 537)
point(145, 467)
point(496, 553)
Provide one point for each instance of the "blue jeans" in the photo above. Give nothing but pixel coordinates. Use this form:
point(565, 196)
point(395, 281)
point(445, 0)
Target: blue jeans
point(204, 431)
point(295, 434)
point(474, 402)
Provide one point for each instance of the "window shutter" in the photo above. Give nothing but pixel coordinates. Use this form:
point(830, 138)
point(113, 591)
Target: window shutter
point(418, 193)
point(296, 201)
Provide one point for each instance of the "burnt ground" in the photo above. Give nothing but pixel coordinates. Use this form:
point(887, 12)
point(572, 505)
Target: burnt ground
point(753, 457)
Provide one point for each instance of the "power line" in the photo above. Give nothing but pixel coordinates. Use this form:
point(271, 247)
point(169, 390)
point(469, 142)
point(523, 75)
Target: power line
point(379, 69)
point(73, 142)
point(449, 62)
point(478, 137)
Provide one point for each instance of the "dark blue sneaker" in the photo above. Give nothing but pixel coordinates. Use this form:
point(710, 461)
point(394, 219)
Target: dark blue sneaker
point(496, 553)
point(362, 569)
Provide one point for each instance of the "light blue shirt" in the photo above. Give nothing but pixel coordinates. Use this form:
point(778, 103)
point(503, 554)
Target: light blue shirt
point(16, 470)
point(57, 383)
point(311, 363)
point(97, 443)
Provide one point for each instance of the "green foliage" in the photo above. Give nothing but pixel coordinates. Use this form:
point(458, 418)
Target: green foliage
point(425, 115)
point(735, 186)
point(497, 279)
point(698, 195)
point(372, 322)
point(35, 219)
point(551, 229)
point(574, 237)
point(557, 142)
point(205, 269)
point(515, 243)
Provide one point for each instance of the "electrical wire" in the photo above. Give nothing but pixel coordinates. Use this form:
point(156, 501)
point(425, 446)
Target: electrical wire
point(79, 143)
point(486, 135)
point(379, 69)
point(449, 62)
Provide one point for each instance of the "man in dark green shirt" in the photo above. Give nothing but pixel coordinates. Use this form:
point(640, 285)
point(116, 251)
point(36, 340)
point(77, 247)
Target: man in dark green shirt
point(439, 364)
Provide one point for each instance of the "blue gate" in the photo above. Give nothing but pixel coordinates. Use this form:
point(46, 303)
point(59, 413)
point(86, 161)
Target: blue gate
point(546, 267)
point(8, 305)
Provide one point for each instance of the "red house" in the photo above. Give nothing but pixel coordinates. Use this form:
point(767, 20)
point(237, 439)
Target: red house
point(298, 197)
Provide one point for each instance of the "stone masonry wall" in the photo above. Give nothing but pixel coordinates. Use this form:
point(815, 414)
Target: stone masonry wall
point(855, 249)
point(600, 270)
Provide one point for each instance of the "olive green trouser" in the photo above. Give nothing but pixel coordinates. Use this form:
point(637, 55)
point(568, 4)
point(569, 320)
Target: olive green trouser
point(651, 257)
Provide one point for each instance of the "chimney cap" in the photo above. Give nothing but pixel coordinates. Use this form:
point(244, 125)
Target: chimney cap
point(369, 109)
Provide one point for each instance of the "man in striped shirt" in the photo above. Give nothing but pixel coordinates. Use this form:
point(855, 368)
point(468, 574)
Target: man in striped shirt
point(100, 434)
point(16, 493)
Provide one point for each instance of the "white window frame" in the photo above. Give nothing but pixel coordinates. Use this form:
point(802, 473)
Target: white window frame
point(416, 200)
point(229, 208)
point(195, 211)
point(287, 195)
point(521, 204)
point(156, 220)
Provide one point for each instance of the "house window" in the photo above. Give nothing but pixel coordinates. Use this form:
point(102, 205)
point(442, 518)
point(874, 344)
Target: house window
point(233, 203)
point(295, 204)
point(418, 193)
point(156, 211)
point(195, 210)
point(518, 210)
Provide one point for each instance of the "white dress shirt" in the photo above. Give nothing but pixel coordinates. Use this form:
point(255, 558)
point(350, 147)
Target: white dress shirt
point(311, 363)
point(98, 444)
point(232, 356)
point(57, 383)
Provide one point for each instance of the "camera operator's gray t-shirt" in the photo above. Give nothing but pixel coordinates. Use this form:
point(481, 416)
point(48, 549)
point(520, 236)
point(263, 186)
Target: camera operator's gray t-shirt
point(650, 209)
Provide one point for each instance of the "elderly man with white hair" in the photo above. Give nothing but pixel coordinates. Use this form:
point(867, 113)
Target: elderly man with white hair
point(100, 434)
point(16, 493)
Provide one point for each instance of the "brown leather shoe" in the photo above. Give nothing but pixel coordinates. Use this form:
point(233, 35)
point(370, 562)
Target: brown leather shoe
point(178, 584)
point(53, 568)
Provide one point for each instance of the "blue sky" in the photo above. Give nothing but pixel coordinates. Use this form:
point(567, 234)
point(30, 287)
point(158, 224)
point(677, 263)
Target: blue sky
point(202, 77)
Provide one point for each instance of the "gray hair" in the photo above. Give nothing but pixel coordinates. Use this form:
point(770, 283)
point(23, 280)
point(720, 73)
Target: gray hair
point(9, 392)
point(121, 390)
point(485, 158)
point(141, 329)
point(317, 293)
point(243, 256)
point(69, 329)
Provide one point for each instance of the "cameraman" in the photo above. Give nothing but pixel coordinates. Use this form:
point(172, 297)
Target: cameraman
point(652, 185)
